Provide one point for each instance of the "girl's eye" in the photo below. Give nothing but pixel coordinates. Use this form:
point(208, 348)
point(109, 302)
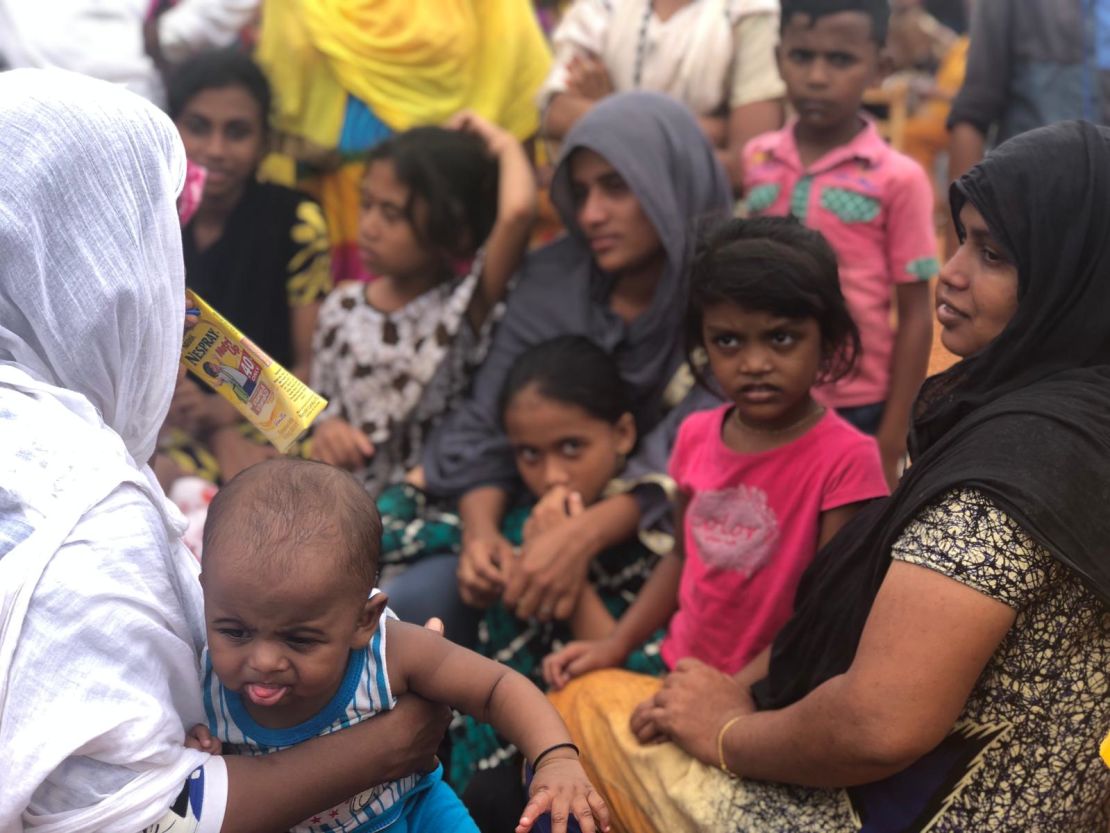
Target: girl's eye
point(195, 126)
point(238, 131)
point(726, 342)
point(390, 213)
point(234, 634)
point(528, 456)
point(578, 195)
point(570, 448)
point(781, 338)
point(991, 257)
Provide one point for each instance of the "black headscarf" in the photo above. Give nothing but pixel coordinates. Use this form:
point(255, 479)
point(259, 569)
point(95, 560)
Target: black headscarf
point(1026, 420)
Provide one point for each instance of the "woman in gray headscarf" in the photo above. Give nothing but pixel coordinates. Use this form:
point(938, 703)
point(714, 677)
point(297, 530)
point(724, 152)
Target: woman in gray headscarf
point(101, 623)
point(635, 178)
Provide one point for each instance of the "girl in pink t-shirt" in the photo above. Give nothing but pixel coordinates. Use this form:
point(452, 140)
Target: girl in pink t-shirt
point(763, 480)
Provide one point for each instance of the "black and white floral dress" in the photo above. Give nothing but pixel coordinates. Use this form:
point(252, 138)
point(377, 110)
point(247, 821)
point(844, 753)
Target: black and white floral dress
point(394, 375)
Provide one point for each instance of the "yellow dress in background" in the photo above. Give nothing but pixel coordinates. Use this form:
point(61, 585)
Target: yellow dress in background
point(346, 73)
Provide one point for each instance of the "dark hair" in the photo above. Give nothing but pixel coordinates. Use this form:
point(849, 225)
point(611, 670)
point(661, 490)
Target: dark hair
point(877, 10)
point(774, 265)
point(572, 370)
point(280, 505)
point(217, 69)
point(454, 175)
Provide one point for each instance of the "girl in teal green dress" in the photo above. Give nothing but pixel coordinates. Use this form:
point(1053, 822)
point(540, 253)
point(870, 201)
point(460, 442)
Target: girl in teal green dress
point(565, 412)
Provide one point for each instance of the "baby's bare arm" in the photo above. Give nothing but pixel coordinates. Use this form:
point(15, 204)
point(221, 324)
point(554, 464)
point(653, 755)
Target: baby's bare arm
point(422, 662)
point(427, 664)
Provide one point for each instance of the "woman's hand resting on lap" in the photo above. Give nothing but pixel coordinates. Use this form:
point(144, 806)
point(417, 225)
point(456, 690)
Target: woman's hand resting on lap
point(694, 703)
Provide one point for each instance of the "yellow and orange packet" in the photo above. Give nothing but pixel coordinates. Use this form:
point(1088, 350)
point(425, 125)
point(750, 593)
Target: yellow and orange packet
point(271, 398)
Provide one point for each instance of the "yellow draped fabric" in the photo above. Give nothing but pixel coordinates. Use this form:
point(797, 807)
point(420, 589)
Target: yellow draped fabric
point(656, 788)
point(410, 61)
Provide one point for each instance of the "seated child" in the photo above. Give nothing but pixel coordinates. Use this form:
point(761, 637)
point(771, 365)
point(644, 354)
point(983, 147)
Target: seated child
point(445, 218)
point(763, 480)
point(300, 645)
point(830, 168)
point(566, 413)
point(257, 252)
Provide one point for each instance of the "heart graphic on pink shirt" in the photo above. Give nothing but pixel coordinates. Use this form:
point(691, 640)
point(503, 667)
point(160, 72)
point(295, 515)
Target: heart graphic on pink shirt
point(734, 529)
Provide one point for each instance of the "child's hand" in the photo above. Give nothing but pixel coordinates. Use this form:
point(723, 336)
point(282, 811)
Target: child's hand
point(577, 658)
point(338, 443)
point(195, 411)
point(484, 564)
point(560, 786)
point(496, 138)
point(201, 739)
point(558, 505)
point(588, 77)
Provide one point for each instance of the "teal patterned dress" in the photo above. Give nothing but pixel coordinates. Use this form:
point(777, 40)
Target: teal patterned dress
point(412, 527)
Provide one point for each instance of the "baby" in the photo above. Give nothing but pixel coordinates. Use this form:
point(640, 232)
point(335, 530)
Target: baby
point(300, 644)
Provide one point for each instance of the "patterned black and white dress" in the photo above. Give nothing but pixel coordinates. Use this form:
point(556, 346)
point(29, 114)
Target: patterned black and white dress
point(394, 375)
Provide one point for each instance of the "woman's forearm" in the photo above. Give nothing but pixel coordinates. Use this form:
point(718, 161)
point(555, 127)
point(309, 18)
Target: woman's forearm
point(275, 792)
point(482, 509)
point(610, 522)
point(820, 741)
point(924, 647)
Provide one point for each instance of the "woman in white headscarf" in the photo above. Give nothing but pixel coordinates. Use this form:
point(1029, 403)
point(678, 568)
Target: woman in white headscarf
point(101, 620)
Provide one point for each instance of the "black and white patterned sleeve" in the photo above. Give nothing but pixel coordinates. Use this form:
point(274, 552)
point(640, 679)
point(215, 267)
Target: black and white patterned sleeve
point(966, 537)
point(200, 806)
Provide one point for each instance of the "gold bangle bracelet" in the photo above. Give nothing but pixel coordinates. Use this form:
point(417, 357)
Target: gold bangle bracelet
point(721, 745)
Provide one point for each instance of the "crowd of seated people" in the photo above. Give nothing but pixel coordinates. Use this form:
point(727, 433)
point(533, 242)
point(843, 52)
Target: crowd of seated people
point(679, 468)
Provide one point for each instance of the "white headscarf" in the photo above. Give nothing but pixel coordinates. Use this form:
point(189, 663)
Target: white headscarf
point(91, 301)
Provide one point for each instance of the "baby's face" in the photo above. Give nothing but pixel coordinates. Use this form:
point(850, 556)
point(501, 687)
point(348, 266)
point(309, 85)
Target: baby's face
point(281, 641)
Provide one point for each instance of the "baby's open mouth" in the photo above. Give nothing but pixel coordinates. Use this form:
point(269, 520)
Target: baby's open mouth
point(265, 695)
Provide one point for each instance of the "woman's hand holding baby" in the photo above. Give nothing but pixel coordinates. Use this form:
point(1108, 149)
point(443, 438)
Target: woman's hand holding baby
point(201, 739)
point(560, 786)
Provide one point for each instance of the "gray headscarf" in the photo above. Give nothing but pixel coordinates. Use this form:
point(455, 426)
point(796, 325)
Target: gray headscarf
point(655, 144)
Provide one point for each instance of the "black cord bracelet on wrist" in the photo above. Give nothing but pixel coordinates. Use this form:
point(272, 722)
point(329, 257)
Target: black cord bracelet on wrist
point(542, 755)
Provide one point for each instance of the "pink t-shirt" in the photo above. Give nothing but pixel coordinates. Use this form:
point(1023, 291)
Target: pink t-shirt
point(875, 207)
point(752, 524)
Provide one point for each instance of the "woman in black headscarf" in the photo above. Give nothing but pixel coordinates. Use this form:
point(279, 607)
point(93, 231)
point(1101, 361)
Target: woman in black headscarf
point(945, 665)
